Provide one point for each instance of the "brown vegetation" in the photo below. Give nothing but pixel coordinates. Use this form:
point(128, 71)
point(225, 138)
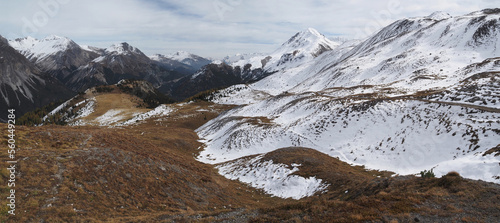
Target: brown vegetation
point(147, 173)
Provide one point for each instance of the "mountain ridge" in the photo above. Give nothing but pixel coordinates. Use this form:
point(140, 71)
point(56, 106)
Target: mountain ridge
point(23, 86)
point(301, 48)
point(394, 101)
point(80, 67)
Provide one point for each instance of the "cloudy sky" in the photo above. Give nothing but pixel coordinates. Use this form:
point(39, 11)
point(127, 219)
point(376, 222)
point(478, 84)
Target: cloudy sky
point(211, 28)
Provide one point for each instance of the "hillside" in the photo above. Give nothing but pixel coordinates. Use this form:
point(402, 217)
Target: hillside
point(107, 105)
point(420, 94)
point(93, 173)
point(147, 172)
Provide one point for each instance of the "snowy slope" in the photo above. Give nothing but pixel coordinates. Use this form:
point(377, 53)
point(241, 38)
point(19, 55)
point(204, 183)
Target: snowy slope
point(300, 48)
point(274, 178)
point(59, 56)
point(116, 51)
point(415, 53)
point(420, 94)
point(76, 112)
point(404, 136)
point(35, 49)
point(285, 79)
point(122, 49)
point(93, 49)
point(48, 52)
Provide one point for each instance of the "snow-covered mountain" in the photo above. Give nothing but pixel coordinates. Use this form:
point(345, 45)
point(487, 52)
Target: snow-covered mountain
point(35, 49)
point(81, 67)
point(415, 53)
point(190, 59)
point(237, 57)
point(290, 57)
point(117, 62)
point(59, 56)
point(22, 85)
point(300, 48)
point(179, 64)
point(420, 94)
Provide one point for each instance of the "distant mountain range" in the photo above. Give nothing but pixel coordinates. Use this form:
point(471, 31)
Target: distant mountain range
point(74, 68)
point(81, 67)
point(179, 75)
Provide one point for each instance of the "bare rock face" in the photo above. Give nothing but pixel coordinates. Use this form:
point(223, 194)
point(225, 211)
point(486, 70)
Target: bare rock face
point(23, 86)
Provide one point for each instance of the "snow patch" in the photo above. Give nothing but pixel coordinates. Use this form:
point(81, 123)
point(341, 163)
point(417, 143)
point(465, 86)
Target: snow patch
point(110, 117)
point(162, 110)
point(439, 15)
point(274, 178)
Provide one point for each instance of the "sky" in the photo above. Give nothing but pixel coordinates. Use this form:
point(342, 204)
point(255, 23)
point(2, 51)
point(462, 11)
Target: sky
point(211, 28)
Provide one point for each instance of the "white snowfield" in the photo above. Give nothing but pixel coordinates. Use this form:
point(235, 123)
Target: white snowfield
point(274, 178)
point(401, 136)
point(421, 94)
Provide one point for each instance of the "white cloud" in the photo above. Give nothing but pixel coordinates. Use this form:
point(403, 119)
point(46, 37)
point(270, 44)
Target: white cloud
point(210, 28)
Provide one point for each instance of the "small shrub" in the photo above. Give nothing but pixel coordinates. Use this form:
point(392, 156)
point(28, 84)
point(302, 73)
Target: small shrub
point(453, 174)
point(207, 95)
point(104, 89)
point(427, 174)
point(450, 181)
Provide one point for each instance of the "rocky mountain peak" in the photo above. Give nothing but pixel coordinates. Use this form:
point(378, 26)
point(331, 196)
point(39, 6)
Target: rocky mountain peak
point(439, 15)
point(123, 48)
point(307, 42)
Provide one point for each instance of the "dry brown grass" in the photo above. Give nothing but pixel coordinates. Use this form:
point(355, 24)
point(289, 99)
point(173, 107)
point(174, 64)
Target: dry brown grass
point(495, 150)
point(382, 199)
point(132, 173)
point(147, 173)
point(128, 105)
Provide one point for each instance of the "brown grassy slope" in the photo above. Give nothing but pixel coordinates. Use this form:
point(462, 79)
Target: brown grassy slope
point(147, 173)
point(120, 174)
point(358, 195)
point(127, 104)
point(340, 175)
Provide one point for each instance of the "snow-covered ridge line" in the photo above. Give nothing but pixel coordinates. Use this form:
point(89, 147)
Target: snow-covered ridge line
point(299, 49)
point(38, 49)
